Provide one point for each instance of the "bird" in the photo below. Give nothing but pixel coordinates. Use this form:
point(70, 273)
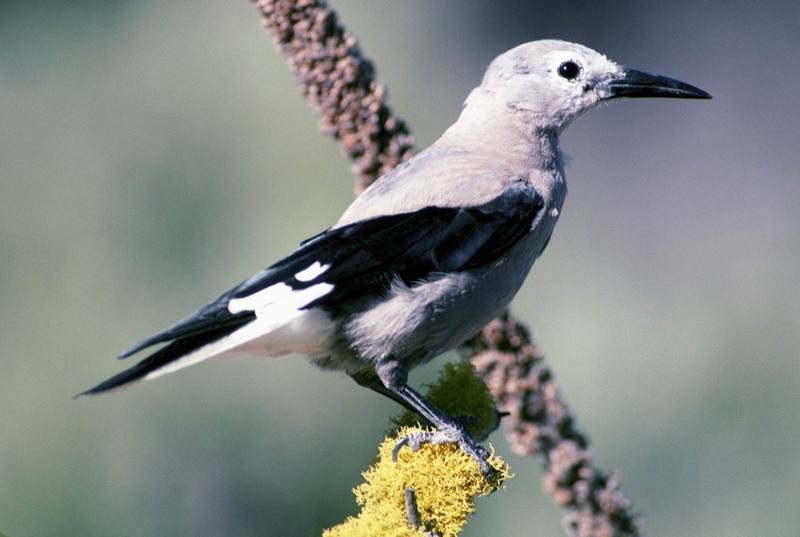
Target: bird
point(428, 254)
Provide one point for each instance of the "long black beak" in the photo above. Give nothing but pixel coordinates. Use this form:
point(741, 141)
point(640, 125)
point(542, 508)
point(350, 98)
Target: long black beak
point(634, 83)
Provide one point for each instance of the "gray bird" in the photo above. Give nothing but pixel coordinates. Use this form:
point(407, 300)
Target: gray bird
point(429, 253)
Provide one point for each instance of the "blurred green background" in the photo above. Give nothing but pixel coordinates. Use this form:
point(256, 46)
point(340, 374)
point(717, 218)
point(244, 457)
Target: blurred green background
point(154, 153)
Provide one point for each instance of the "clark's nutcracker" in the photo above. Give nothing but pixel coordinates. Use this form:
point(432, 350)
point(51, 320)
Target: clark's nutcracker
point(429, 253)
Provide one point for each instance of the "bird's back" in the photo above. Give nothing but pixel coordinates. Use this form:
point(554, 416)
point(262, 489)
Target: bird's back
point(440, 176)
point(415, 321)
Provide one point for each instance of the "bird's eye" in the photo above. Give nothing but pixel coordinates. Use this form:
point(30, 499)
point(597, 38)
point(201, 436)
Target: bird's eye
point(569, 70)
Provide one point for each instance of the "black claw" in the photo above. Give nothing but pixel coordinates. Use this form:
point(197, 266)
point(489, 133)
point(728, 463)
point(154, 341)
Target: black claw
point(447, 430)
point(455, 435)
point(402, 442)
point(467, 421)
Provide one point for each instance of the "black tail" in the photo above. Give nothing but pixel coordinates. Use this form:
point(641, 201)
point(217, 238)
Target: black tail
point(175, 350)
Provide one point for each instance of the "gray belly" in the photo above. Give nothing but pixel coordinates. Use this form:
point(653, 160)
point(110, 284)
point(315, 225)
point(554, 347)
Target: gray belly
point(414, 324)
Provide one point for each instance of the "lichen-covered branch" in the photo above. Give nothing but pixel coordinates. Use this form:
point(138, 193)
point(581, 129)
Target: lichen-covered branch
point(445, 482)
point(430, 491)
point(339, 83)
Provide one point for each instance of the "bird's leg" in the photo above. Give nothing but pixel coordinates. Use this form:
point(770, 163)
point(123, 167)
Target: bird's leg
point(371, 381)
point(447, 429)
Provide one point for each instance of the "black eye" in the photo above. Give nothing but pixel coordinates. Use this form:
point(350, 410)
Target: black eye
point(569, 70)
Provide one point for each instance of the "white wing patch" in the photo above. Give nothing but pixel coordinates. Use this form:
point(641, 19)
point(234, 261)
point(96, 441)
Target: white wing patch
point(270, 295)
point(308, 274)
point(274, 330)
point(288, 307)
point(278, 298)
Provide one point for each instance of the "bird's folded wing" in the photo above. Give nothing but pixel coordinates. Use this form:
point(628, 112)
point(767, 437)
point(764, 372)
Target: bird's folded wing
point(363, 258)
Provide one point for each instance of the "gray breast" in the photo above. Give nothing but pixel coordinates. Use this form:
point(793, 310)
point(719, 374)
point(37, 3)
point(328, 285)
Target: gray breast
point(414, 324)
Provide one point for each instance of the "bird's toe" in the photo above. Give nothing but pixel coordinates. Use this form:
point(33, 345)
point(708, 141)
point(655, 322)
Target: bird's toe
point(455, 434)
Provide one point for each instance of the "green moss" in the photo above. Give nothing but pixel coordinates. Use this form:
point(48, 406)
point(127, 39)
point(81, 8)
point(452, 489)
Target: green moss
point(459, 392)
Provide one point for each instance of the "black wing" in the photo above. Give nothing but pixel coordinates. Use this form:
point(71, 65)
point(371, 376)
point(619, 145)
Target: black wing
point(363, 258)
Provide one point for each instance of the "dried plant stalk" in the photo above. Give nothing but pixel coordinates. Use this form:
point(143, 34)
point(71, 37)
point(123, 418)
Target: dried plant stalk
point(539, 422)
point(340, 84)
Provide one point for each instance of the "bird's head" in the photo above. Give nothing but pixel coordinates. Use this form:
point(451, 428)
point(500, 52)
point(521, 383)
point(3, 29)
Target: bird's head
point(553, 82)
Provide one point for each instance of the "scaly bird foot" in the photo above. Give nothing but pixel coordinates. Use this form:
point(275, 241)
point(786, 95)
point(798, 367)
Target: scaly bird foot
point(450, 434)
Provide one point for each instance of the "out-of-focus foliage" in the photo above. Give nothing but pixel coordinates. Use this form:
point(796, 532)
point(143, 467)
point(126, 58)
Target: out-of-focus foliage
point(154, 153)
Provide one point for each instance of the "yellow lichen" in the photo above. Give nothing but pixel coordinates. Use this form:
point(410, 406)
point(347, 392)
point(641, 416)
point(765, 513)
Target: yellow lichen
point(446, 482)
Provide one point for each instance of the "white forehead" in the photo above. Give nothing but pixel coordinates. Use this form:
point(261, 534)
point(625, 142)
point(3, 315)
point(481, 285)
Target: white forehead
point(543, 56)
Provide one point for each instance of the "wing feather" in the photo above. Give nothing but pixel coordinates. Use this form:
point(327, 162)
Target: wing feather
point(363, 258)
